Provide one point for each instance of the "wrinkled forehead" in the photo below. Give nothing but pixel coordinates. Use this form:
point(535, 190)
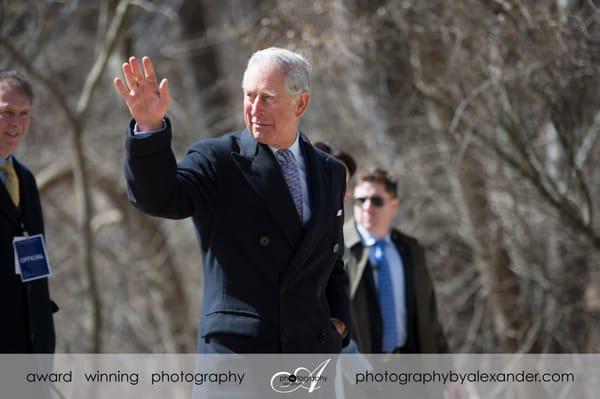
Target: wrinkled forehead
point(262, 75)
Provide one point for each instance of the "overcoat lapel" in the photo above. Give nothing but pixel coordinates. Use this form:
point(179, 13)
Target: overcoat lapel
point(7, 207)
point(320, 196)
point(261, 170)
point(352, 240)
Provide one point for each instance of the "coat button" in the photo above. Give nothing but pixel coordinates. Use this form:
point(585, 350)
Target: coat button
point(323, 337)
point(264, 241)
point(336, 248)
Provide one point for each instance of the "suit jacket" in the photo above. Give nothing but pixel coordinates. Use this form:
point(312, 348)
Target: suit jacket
point(27, 309)
point(424, 333)
point(270, 283)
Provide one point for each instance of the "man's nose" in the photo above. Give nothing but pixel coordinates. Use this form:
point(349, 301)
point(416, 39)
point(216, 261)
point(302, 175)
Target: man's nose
point(257, 106)
point(16, 120)
point(367, 205)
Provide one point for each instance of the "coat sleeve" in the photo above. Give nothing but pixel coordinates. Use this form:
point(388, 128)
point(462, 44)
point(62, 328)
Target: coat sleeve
point(438, 343)
point(159, 186)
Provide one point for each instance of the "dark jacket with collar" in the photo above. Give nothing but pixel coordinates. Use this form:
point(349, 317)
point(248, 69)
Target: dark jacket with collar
point(270, 284)
point(424, 333)
point(27, 310)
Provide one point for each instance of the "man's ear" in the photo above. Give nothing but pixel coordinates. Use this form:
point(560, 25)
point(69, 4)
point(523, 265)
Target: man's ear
point(302, 103)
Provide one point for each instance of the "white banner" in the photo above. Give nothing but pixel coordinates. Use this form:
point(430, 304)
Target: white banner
point(299, 376)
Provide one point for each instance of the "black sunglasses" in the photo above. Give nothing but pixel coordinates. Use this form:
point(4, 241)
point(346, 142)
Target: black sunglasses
point(376, 200)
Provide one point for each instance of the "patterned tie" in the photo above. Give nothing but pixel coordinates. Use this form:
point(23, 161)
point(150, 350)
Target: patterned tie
point(291, 176)
point(386, 297)
point(11, 181)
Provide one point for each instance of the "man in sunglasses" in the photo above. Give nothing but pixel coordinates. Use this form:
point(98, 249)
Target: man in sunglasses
point(392, 298)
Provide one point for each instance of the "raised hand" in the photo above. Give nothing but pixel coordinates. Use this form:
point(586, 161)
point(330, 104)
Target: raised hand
point(147, 101)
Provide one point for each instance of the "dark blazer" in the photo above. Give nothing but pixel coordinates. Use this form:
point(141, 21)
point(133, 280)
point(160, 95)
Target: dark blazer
point(425, 334)
point(270, 284)
point(26, 307)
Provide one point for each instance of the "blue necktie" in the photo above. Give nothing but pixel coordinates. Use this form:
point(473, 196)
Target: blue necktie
point(386, 297)
point(291, 176)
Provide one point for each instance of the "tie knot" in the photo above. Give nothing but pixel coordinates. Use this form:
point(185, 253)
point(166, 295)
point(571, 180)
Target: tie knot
point(379, 250)
point(9, 169)
point(285, 156)
point(380, 244)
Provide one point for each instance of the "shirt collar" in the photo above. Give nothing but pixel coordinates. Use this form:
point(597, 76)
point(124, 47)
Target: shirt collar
point(368, 238)
point(294, 148)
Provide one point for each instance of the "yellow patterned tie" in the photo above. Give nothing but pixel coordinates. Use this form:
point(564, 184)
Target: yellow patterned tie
point(11, 181)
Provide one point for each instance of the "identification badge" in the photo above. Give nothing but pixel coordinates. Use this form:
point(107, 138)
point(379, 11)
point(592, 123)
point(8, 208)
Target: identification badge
point(31, 259)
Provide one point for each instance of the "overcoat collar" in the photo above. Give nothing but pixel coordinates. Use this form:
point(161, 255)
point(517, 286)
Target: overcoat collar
point(404, 245)
point(320, 196)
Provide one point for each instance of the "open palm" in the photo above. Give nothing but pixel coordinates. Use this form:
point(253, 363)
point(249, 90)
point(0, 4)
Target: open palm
point(146, 99)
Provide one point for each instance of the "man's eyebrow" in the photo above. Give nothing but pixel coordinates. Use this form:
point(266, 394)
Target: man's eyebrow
point(266, 92)
point(9, 108)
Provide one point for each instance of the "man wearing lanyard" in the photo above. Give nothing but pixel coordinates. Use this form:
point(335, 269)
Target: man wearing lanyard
point(27, 308)
point(392, 298)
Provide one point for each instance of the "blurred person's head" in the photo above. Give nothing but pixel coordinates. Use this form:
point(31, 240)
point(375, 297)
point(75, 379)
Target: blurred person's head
point(376, 201)
point(345, 158)
point(348, 161)
point(276, 87)
point(16, 98)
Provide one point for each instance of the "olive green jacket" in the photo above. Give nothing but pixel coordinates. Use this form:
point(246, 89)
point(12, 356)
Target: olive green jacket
point(425, 334)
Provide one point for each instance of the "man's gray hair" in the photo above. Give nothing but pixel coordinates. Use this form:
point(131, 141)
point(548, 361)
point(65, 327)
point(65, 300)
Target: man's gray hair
point(295, 68)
